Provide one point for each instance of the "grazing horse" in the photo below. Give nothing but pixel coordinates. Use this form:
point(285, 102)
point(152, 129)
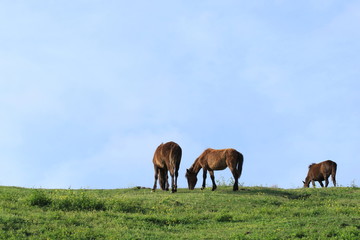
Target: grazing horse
point(320, 172)
point(211, 160)
point(167, 157)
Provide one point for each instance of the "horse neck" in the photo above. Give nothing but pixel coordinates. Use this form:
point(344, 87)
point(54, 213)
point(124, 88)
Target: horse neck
point(196, 166)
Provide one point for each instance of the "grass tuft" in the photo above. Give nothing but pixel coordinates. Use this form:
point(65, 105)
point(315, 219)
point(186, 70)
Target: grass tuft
point(40, 199)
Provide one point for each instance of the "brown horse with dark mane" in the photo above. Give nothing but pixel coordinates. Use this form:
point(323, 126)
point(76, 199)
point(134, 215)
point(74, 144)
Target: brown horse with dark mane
point(320, 172)
point(211, 160)
point(167, 157)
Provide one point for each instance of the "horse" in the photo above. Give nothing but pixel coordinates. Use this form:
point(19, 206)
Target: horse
point(320, 172)
point(167, 157)
point(212, 159)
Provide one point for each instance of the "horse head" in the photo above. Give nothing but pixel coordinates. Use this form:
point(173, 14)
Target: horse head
point(191, 178)
point(306, 183)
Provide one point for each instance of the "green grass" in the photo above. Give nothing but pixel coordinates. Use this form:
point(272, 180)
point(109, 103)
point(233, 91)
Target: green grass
point(251, 213)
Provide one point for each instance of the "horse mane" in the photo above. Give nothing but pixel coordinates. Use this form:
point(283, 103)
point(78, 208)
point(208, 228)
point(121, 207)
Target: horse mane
point(311, 165)
point(194, 165)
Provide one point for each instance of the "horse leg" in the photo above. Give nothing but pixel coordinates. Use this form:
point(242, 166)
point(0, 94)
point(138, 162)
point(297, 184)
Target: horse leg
point(204, 179)
point(321, 183)
point(326, 181)
point(333, 179)
point(176, 177)
point(333, 174)
point(156, 178)
point(313, 183)
point(162, 178)
point(173, 185)
point(236, 185)
point(213, 180)
point(236, 178)
point(167, 181)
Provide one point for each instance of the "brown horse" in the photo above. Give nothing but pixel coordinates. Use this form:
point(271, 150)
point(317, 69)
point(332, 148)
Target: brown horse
point(211, 160)
point(167, 157)
point(320, 172)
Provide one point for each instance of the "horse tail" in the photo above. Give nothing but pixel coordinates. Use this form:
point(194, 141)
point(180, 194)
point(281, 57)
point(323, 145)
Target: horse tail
point(334, 168)
point(175, 157)
point(240, 163)
point(333, 172)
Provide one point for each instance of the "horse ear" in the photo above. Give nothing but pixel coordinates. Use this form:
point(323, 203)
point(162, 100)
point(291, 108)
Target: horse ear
point(187, 170)
point(303, 182)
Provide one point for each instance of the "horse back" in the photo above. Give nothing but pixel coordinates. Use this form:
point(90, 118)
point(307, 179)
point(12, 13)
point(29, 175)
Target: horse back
point(317, 171)
point(327, 167)
point(219, 159)
point(167, 154)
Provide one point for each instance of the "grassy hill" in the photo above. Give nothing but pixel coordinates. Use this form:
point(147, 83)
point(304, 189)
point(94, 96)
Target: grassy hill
point(251, 213)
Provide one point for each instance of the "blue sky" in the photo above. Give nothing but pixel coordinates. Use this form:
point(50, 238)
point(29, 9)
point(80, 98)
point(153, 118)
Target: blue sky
point(89, 89)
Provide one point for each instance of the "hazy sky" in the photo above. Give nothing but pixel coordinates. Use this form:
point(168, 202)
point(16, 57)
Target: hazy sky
point(89, 89)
